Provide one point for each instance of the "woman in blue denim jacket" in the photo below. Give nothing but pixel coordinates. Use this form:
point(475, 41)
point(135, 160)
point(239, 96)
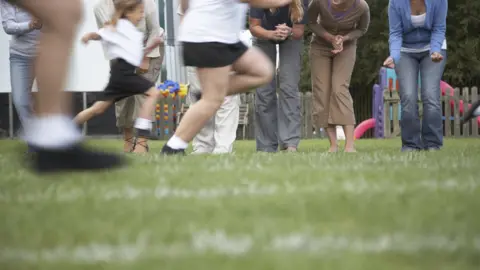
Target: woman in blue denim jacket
point(418, 45)
point(25, 32)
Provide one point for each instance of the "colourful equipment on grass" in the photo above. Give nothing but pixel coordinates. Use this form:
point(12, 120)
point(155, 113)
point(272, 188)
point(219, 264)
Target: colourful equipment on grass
point(177, 92)
point(173, 89)
point(386, 83)
point(363, 127)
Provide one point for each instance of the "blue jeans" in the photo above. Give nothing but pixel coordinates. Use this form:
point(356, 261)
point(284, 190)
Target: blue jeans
point(427, 135)
point(21, 78)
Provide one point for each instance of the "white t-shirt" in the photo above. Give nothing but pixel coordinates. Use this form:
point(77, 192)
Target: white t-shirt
point(213, 21)
point(124, 41)
point(149, 25)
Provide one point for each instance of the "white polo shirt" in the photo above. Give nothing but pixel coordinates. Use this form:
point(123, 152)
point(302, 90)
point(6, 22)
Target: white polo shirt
point(124, 41)
point(149, 25)
point(213, 21)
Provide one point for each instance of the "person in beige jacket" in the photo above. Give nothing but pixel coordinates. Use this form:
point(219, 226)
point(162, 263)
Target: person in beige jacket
point(336, 25)
point(127, 109)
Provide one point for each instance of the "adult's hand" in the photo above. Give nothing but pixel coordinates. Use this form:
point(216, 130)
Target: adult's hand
point(161, 39)
point(35, 24)
point(389, 62)
point(436, 57)
point(276, 35)
point(337, 44)
point(145, 65)
point(284, 30)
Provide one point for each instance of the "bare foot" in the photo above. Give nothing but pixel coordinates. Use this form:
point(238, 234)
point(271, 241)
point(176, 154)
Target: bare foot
point(333, 149)
point(350, 150)
point(291, 149)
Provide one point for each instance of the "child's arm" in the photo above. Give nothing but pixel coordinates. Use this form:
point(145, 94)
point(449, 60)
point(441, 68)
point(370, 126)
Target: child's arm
point(156, 41)
point(91, 36)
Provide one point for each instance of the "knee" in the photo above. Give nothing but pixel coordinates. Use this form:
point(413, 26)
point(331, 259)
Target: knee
point(431, 95)
point(340, 89)
point(73, 10)
point(154, 94)
point(409, 109)
point(266, 72)
point(97, 110)
point(341, 94)
point(431, 98)
point(290, 91)
point(69, 14)
point(408, 99)
point(266, 98)
point(214, 102)
point(431, 103)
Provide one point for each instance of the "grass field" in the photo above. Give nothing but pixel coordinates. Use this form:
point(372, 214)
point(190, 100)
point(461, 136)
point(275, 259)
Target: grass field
point(376, 209)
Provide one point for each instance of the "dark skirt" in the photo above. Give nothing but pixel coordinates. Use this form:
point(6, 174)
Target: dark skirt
point(124, 82)
point(212, 54)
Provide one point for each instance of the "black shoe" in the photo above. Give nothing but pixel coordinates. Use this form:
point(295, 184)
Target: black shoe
point(75, 158)
point(469, 114)
point(168, 151)
point(30, 149)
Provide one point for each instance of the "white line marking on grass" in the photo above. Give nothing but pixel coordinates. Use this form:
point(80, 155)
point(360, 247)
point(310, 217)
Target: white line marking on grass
point(380, 244)
point(219, 242)
point(162, 192)
point(357, 187)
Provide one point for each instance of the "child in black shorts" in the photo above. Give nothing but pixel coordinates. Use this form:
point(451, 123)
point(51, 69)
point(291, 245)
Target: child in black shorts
point(124, 46)
point(211, 44)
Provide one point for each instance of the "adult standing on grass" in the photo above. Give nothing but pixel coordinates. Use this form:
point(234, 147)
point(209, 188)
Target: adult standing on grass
point(127, 109)
point(417, 44)
point(279, 122)
point(25, 31)
point(337, 25)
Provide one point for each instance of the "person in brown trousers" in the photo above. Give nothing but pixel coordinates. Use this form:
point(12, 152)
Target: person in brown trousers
point(336, 26)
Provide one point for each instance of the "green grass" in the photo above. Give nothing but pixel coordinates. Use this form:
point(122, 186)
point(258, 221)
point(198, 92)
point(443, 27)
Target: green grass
point(377, 209)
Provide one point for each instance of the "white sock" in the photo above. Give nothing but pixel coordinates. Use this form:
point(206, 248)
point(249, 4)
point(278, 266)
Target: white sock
point(52, 132)
point(177, 143)
point(142, 123)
